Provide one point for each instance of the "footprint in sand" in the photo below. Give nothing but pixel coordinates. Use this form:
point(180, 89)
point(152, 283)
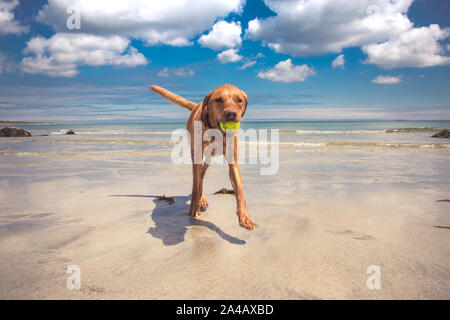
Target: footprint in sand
point(355, 235)
point(95, 290)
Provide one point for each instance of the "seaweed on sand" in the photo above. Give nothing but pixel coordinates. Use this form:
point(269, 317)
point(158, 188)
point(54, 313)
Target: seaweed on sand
point(164, 198)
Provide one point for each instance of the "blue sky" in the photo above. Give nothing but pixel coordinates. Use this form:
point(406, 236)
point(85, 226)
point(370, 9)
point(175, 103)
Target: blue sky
point(391, 58)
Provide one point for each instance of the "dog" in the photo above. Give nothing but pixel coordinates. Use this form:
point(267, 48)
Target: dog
point(223, 104)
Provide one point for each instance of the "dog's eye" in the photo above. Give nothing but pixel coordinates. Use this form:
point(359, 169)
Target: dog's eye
point(219, 100)
point(239, 100)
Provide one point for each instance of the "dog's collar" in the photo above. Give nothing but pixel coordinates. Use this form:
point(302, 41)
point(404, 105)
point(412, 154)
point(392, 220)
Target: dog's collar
point(207, 123)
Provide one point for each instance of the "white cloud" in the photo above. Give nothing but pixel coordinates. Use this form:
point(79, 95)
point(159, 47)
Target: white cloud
point(179, 72)
point(350, 113)
point(223, 35)
point(306, 27)
point(251, 61)
point(3, 62)
point(7, 63)
point(417, 47)
point(164, 72)
point(7, 22)
point(171, 22)
point(60, 55)
point(387, 79)
point(248, 64)
point(339, 62)
point(381, 27)
point(285, 71)
point(228, 56)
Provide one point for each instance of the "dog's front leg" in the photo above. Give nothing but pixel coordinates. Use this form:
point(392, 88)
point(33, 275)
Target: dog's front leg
point(197, 190)
point(241, 206)
point(203, 202)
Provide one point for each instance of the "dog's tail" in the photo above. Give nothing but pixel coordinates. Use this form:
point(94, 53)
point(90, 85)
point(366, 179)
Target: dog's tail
point(172, 97)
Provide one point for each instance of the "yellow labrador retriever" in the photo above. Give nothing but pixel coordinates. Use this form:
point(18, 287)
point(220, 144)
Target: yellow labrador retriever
point(223, 104)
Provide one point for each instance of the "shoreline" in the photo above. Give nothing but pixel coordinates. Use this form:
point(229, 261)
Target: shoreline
point(22, 123)
point(130, 122)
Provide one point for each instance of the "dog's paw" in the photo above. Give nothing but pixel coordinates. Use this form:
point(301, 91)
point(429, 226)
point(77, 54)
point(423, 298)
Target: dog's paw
point(194, 212)
point(203, 204)
point(246, 222)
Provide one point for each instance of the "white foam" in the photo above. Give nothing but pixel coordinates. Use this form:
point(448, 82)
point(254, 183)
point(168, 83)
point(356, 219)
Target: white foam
point(337, 131)
point(112, 132)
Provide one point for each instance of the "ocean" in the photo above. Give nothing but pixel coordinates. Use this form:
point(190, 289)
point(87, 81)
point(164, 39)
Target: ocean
point(302, 135)
point(97, 146)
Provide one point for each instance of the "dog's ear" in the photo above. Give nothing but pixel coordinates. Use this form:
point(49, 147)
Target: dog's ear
point(205, 119)
point(246, 103)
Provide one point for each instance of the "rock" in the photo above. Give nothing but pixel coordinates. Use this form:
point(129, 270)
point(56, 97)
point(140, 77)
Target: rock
point(14, 132)
point(442, 134)
point(70, 132)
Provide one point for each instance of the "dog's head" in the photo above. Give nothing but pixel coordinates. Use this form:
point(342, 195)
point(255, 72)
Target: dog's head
point(223, 104)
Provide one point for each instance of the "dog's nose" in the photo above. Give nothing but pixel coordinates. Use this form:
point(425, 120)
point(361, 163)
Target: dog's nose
point(230, 115)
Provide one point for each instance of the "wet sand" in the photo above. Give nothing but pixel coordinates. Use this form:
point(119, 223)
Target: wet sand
point(323, 220)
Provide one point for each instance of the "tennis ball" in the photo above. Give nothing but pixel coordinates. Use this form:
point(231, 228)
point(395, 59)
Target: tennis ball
point(230, 125)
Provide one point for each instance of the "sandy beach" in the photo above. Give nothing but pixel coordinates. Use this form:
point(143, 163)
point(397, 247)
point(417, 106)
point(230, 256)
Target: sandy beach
point(326, 216)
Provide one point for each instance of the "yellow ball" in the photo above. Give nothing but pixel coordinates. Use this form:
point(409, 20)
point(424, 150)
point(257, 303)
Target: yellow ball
point(230, 125)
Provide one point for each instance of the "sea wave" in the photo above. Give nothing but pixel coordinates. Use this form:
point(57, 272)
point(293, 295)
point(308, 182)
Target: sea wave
point(337, 131)
point(288, 143)
point(118, 141)
point(298, 131)
point(344, 146)
point(113, 132)
point(305, 144)
point(388, 145)
point(419, 129)
point(354, 144)
point(86, 155)
point(395, 130)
